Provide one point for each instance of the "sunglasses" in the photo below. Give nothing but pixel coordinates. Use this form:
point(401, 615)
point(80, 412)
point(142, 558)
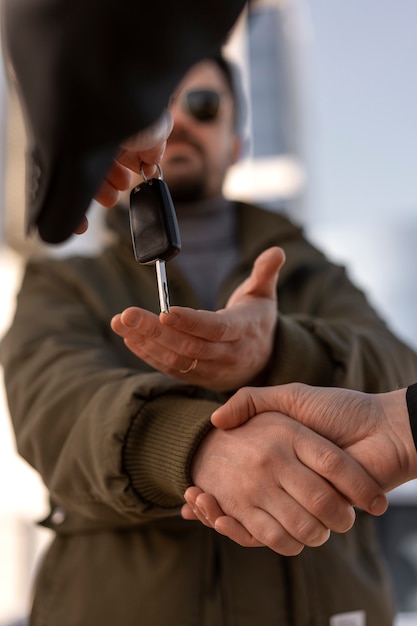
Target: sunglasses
point(202, 104)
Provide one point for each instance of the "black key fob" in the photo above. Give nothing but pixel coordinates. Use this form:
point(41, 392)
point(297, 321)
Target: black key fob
point(153, 222)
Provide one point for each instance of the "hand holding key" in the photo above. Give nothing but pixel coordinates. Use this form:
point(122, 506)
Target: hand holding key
point(232, 345)
point(147, 147)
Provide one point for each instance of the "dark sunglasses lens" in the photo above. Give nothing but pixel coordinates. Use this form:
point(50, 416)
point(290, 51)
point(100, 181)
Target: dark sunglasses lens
point(203, 105)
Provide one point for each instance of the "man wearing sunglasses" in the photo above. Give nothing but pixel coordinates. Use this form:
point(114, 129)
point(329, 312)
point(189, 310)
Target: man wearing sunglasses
point(119, 429)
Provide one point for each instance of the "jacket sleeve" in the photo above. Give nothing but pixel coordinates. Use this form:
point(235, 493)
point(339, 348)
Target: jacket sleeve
point(328, 334)
point(76, 406)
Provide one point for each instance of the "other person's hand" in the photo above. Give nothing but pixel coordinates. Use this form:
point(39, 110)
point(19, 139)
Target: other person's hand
point(373, 428)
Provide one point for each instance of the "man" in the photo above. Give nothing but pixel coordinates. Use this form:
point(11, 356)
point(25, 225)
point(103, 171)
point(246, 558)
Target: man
point(119, 429)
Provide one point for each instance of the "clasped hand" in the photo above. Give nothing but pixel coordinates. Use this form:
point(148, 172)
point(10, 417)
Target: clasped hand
point(321, 479)
point(271, 477)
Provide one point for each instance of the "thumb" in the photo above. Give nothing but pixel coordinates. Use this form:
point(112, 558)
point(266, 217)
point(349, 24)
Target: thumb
point(249, 401)
point(264, 276)
point(236, 411)
point(263, 279)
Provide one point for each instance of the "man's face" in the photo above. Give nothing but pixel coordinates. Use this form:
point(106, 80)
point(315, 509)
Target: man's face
point(200, 151)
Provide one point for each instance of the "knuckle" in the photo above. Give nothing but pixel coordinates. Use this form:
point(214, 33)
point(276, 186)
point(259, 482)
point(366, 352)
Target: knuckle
point(311, 532)
point(332, 511)
point(199, 350)
point(189, 324)
point(222, 331)
point(318, 538)
point(322, 502)
point(154, 331)
point(193, 348)
point(331, 462)
point(174, 363)
point(284, 544)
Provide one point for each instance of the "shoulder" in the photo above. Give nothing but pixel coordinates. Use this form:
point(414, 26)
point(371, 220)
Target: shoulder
point(268, 227)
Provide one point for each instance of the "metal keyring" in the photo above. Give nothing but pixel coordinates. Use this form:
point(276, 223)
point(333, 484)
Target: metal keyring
point(145, 178)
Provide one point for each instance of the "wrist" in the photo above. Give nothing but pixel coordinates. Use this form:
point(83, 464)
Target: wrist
point(395, 407)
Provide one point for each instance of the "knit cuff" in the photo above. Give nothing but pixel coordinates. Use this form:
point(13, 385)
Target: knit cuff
point(160, 445)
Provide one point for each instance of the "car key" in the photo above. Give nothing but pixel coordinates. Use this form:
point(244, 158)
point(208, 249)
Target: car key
point(154, 229)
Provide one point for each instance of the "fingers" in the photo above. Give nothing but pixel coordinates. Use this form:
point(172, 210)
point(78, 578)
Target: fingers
point(271, 532)
point(248, 401)
point(206, 325)
point(204, 507)
point(188, 334)
point(83, 227)
point(192, 511)
point(118, 179)
point(346, 475)
point(145, 330)
point(229, 527)
point(256, 527)
point(143, 335)
point(180, 325)
point(168, 350)
point(154, 135)
point(239, 408)
point(142, 162)
point(148, 147)
point(282, 524)
point(286, 532)
point(263, 279)
point(264, 276)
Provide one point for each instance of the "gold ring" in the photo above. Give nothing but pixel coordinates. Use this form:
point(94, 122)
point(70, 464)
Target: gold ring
point(191, 368)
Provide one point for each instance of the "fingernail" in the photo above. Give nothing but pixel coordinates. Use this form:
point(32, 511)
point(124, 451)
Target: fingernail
point(203, 512)
point(170, 319)
point(131, 319)
point(379, 505)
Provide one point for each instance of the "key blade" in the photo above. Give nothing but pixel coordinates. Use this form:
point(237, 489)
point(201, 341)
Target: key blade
point(161, 278)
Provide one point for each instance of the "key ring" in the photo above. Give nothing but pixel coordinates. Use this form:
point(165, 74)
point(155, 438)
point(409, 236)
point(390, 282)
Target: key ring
point(145, 178)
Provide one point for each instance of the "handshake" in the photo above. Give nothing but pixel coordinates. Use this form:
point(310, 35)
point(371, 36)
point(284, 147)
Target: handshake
point(310, 455)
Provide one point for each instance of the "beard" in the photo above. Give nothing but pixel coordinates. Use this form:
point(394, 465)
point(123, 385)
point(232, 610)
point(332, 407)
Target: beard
point(185, 189)
point(185, 185)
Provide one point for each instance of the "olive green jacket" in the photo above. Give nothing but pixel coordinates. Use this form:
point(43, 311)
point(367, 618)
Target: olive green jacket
point(113, 440)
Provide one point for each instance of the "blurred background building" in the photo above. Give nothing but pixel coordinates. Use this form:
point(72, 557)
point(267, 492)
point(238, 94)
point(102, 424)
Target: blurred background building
point(332, 142)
